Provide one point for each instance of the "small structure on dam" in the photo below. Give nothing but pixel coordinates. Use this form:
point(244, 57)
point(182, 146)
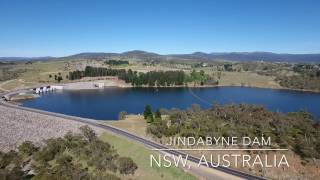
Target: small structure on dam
point(43, 89)
point(30, 93)
point(99, 84)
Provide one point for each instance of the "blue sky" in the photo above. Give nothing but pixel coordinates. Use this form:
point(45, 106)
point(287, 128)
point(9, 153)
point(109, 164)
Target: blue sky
point(64, 27)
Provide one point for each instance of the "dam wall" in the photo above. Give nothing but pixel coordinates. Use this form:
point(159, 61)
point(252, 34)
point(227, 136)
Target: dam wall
point(30, 92)
point(42, 89)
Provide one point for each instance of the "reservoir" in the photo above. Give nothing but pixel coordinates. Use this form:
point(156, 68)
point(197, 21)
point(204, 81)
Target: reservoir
point(105, 104)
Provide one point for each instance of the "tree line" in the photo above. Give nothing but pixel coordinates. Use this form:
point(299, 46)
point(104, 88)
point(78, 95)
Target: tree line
point(116, 62)
point(95, 72)
point(151, 78)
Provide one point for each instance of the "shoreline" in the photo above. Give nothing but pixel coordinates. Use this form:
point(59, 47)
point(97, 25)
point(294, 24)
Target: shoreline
point(90, 85)
point(125, 85)
point(217, 86)
point(116, 83)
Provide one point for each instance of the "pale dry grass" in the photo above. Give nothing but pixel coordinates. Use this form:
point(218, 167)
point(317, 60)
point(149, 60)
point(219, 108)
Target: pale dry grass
point(35, 73)
point(247, 79)
point(133, 123)
point(140, 155)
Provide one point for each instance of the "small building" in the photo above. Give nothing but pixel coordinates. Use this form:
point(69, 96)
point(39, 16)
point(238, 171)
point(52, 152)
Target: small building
point(204, 64)
point(55, 87)
point(37, 90)
point(99, 84)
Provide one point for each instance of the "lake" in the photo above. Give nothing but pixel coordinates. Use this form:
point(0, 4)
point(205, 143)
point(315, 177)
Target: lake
point(105, 104)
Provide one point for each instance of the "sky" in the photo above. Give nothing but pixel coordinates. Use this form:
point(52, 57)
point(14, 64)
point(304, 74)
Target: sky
point(64, 27)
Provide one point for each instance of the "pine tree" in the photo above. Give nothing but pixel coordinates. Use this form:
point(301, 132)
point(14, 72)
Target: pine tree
point(147, 112)
point(157, 114)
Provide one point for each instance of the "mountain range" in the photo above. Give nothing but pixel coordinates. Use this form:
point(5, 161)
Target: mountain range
point(143, 55)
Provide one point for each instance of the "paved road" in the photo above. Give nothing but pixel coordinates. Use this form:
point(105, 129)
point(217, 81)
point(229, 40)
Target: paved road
point(128, 135)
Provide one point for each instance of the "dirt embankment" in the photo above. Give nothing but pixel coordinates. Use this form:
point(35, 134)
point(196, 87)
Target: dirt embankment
point(95, 83)
point(19, 97)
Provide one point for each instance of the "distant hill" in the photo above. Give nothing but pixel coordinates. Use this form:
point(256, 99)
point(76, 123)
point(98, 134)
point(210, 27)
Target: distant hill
point(232, 56)
point(91, 55)
point(136, 54)
point(252, 56)
point(25, 58)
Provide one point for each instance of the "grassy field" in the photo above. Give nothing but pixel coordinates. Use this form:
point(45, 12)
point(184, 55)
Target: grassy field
point(38, 72)
point(140, 155)
point(242, 78)
point(247, 79)
point(133, 123)
point(35, 73)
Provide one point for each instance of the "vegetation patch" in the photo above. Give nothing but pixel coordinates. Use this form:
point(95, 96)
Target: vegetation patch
point(296, 130)
point(307, 76)
point(75, 156)
point(116, 62)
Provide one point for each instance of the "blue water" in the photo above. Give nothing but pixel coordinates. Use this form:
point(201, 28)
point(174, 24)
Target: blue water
point(105, 104)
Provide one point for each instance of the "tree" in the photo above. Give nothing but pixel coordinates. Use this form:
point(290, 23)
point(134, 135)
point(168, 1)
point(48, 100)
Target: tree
point(122, 115)
point(147, 112)
point(8, 158)
point(27, 148)
point(88, 133)
point(157, 114)
point(63, 169)
point(10, 165)
point(13, 173)
point(150, 119)
point(228, 67)
point(126, 165)
point(59, 79)
point(202, 73)
point(50, 76)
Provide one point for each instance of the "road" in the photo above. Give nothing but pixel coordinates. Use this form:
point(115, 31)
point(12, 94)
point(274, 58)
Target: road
point(150, 144)
point(3, 83)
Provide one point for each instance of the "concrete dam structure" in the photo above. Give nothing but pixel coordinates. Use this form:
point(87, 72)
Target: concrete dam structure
point(30, 92)
point(39, 90)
